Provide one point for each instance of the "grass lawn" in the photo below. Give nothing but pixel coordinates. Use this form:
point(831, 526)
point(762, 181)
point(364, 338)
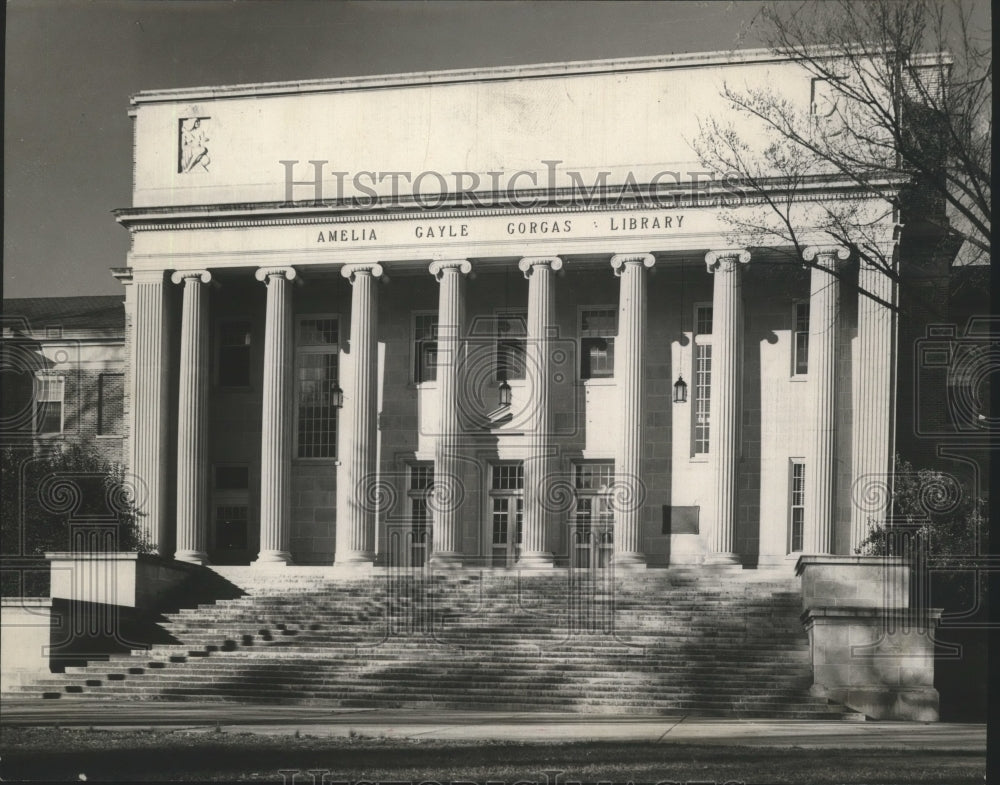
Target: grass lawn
point(168, 754)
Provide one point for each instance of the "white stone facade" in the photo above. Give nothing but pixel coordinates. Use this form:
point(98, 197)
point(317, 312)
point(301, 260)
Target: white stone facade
point(417, 310)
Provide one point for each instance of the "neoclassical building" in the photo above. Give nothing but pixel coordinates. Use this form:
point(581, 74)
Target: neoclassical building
point(492, 318)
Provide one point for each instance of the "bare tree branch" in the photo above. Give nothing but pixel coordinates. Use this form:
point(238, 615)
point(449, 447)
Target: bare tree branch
point(909, 88)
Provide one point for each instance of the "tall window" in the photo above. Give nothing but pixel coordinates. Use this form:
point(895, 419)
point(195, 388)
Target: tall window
point(425, 334)
point(421, 480)
point(797, 511)
point(507, 512)
point(50, 391)
point(594, 520)
point(800, 345)
point(598, 328)
point(110, 402)
point(702, 378)
point(317, 349)
point(703, 319)
point(234, 354)
point(511, 338)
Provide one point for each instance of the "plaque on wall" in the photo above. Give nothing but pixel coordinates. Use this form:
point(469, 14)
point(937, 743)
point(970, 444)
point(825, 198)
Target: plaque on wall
point(680, 520)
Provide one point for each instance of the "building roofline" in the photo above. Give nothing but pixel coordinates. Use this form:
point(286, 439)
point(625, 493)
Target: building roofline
point(483, 74)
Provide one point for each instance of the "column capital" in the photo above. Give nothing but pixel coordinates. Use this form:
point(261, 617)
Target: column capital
point(826, 256)
point(183, 275)
point(263, 273)
point(619, 260)
point(374, 269)
point(714, 259)
point(529, 263)
point(437, 268)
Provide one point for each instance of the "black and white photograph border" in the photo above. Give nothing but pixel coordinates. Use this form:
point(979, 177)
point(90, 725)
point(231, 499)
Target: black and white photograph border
point(498, 392)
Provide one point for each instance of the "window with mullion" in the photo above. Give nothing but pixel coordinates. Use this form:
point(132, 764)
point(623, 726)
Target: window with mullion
point(317, 371)
point(593, 482)
point(425, 346)
point(598, 330)
point(800, 345)
point(797, 510)
point(508, 477)
point(49, 403)
point(701, 411)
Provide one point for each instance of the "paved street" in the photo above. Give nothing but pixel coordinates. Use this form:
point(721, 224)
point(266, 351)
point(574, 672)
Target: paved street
point(496, 726)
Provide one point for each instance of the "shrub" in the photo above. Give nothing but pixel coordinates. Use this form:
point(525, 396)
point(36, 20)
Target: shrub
point(63, 500)
point(935, 517)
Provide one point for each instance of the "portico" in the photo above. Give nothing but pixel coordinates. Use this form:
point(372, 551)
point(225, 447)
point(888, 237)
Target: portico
point(560, 421)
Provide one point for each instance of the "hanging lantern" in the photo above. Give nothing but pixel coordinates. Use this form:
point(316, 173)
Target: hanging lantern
point(680, 386)
point(504, 391)
point(680, 390)
point(336, 396)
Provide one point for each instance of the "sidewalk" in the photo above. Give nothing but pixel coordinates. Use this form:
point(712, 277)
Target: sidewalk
point(324, 721)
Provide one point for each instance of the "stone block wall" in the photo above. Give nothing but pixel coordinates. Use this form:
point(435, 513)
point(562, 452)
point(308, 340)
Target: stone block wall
point(871, 649)
point(874, 663)
point(26, 629)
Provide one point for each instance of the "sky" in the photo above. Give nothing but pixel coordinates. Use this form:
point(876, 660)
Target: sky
point(71, 67)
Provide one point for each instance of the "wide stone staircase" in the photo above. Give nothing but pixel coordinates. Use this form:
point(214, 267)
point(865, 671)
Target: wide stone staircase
point(660, 642)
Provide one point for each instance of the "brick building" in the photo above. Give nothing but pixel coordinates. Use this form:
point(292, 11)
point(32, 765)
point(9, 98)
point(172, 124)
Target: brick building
point(64, 373)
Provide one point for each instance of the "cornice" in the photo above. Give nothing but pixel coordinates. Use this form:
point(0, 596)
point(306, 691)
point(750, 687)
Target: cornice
point(459, 75)
point(662, 62)
point(544, 202)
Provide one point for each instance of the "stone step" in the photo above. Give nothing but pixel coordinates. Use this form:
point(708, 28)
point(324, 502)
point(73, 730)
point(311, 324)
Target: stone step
point(732, 664)
point(567, 642)
point(786, 684)
point(698, 707)
point(728, 645)
point(528, 692)
point(650, 677)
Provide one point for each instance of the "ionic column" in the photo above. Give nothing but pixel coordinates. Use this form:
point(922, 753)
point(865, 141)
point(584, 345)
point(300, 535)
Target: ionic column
point(724, 397)
point(356, 484)
point(824, 304)
point(276, 423)
point(192, 419)
point(446, 533)
point(630, 376)
point(148, 418)
point(538, 472)
point(874, 395)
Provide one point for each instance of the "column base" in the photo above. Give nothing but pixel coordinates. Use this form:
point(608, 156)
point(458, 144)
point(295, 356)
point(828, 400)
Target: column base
point(272, 559)
point(722, 560)
point(539, 560)
point(191, 557)
point(627, 562)
point(445, 560)
point(354, 559)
